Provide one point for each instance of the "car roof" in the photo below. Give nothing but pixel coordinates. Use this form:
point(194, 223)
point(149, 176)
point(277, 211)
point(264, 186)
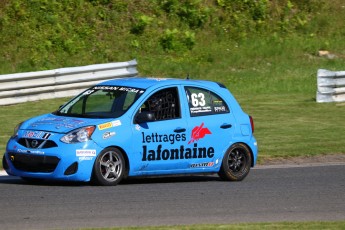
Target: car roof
point(147, 82)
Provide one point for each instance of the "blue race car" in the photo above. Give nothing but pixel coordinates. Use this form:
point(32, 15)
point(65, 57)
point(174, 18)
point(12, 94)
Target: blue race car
point(136, 127)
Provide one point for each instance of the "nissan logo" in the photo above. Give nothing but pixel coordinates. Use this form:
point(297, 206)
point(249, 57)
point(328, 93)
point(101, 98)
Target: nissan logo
point(34, 144)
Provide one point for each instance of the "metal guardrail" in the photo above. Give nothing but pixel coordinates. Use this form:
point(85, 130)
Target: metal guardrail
point(64, 82)
point(330, 86)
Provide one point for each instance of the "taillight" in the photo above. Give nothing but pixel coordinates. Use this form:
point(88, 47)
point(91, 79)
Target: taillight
point(251, 123)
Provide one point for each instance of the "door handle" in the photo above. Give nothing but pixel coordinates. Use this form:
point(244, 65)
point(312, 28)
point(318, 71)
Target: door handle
point(179, 130)
point(226, 126)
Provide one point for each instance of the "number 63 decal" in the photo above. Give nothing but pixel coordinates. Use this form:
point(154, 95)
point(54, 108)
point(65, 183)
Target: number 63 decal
point(198, 99)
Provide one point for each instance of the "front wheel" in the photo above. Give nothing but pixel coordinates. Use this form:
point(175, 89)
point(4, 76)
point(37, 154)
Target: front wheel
point(109, 167)
point(236, 163)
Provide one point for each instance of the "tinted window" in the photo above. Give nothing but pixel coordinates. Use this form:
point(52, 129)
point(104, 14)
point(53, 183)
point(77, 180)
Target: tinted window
point(204, 102)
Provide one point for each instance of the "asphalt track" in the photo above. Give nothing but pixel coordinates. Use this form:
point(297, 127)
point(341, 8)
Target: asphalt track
point(268, 194)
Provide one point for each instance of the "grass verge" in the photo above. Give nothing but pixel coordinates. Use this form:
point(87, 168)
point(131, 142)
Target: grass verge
point(251, 226)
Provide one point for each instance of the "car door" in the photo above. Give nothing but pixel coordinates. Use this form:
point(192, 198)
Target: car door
point(157, 144)
point(210, 128)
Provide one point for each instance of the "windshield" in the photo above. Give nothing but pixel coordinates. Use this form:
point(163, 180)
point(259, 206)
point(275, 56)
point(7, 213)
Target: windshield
point(101, 102)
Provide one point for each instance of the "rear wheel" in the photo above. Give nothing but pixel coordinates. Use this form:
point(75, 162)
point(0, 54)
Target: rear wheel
point(236, 163)
point(109, 167)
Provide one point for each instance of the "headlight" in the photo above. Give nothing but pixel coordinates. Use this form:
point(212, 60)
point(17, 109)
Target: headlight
point(78, 135)
point(15, 131)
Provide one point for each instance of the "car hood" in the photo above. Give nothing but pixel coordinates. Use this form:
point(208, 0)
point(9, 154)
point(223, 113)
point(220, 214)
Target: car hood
point(58, 124)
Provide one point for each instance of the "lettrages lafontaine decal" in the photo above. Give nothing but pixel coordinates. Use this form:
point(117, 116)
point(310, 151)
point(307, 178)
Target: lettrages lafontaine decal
point(182, 152)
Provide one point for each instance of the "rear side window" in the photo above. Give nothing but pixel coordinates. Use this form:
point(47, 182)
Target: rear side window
point(203, 102)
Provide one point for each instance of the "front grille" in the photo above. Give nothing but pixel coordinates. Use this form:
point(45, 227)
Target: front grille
point(37, 143)
point(34, 163)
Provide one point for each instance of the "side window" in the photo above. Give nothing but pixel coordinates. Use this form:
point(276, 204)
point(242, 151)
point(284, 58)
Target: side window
point(164, 104)
point(204, 102)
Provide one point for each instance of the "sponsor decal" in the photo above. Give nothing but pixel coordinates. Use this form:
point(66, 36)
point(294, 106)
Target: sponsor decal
point(116, 123)
point(155, 137)
point(85, 152)
point(88, 92)
point(30, 151)
point(109, 125)
point(181, 152)
point(202, 165)
point(158, 79)
point(127, 89)
point(177, 153)
point(107, 135)
point(85, 158)
point(137, 127)
point(118, 88)
point(37, 134)
point(205, 109)
point(220, 109)
point(58, 122)
point(105, 87)
point(105, 126)
point(198, 133)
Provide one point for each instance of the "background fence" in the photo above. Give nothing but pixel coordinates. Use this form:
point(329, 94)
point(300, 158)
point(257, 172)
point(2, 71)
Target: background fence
point(65, 82)
point(330, 86)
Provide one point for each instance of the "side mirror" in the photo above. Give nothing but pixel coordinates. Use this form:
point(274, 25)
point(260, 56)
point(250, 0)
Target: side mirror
point(145, 117)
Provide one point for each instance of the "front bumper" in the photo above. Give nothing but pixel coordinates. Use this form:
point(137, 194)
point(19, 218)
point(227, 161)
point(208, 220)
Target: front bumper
point(70, 162)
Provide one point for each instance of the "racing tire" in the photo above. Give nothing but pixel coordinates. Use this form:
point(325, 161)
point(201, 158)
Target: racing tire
point(109, 167)
point(236, 163)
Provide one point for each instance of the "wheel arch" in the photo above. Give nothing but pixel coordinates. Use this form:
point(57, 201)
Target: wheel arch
point(251, 153)
point(248, 146)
